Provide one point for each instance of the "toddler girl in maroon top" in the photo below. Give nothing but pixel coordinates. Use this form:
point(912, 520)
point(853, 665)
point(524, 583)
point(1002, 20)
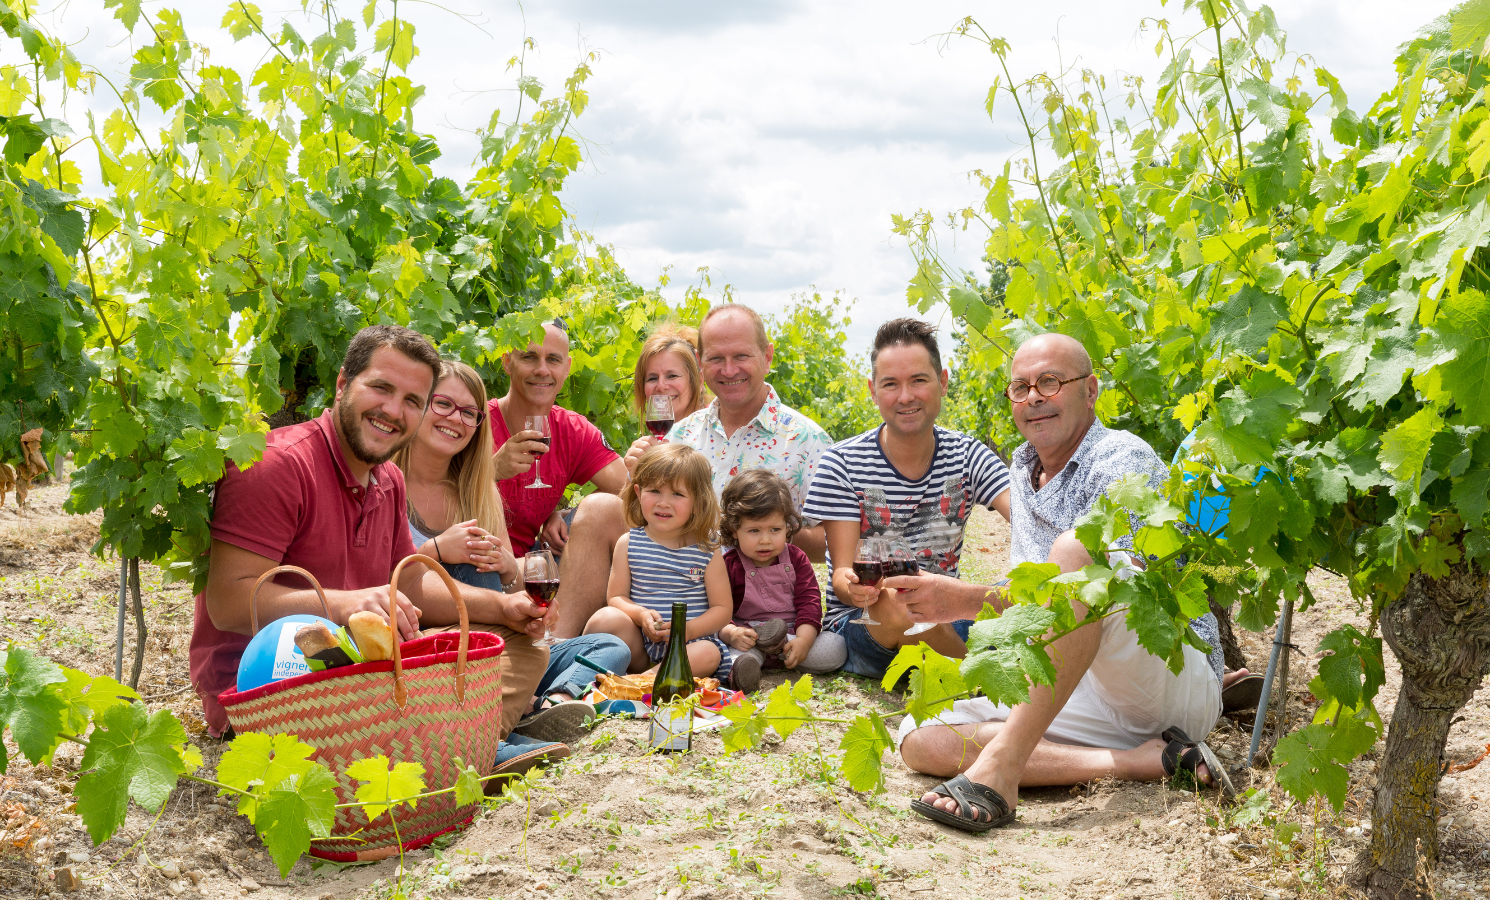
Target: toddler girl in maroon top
point(778, 607)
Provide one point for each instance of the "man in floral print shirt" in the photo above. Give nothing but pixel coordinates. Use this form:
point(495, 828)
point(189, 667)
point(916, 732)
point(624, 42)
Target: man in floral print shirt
point(747, 426)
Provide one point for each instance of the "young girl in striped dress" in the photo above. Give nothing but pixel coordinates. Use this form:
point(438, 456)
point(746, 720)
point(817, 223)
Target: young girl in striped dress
point(670, 555)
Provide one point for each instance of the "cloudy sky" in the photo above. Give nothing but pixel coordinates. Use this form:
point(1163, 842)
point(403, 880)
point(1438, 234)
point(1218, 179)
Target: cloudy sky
point(772, 140)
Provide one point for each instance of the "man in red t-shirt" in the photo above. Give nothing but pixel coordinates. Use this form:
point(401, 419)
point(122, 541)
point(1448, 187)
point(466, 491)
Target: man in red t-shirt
point(578, 454)
point(326, 499)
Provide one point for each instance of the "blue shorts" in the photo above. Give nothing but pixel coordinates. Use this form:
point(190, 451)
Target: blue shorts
point(867, 657)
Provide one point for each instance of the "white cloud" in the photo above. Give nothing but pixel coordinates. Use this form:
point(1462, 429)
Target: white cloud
point(772, 141)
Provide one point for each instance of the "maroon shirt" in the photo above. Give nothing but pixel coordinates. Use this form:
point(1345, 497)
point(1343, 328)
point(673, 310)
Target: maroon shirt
point(807, 597)
point(300, 506)
point(577, 452)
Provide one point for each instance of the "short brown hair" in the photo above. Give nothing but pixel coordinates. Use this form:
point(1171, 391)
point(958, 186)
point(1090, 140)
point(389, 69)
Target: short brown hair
point(754, 317)
point(904, 333)
point(756, 494)
point(405, 340)
point(681, 465)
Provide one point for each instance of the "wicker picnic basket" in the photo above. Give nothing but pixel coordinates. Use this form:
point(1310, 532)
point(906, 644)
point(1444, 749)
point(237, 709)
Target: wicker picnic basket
point(438, 699)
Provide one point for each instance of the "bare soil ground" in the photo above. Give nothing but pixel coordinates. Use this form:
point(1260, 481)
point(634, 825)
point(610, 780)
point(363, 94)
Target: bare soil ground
point(613, 821)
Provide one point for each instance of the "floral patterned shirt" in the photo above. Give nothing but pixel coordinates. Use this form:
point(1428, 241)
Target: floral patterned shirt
point(779, 438)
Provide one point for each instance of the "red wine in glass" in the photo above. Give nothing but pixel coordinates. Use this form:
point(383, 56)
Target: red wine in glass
point(547, 442)
point(542, 592)
point(660, 415)
point(540, 425)
point(869, 573)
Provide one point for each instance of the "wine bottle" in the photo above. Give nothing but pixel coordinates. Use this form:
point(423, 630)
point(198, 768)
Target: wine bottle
point(671, 730)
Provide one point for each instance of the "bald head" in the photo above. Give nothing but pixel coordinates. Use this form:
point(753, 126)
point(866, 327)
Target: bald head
point(1061, 349)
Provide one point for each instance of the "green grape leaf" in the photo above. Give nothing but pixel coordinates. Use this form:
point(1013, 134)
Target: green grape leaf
point(1152, 624)
point(1247, 320)
point(1463, 328)
point(258, 760)
point(397, 37)
point(1313, 759)
point(746, 730)
point(31, 705)
point(1404, 448)
point(864, 747)
point(1470, 491)
point(130, 756)
point(382, 787)
point(935, 681)
point(802, 689)
point(88, 697)
point(1470, 25)
point(299, 809)
point(468, 788)
point(128, 11)
point(1352, 672)
point(783, 713)
point(1012, 632)
point(998, 674)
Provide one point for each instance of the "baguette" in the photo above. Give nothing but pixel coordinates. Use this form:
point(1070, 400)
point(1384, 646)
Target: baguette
point(373, 634)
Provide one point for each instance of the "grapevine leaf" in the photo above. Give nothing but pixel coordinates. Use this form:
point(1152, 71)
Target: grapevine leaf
point(747, 729)
point(1471, 26)
point(1154, 627)
point(1247, 319)
point(782, 712)
point(30, 704)
point(1471, 490)
point(936, 681)
point(1464, 329)
point(468, 787)
point(88, 697)
point(1313, 758)
point(998, 674)
point(1405, 446)
point(130, 756)
point(128, 11)
point(383, 788)
point(802, 689)
point(1017, 624)
point(864, 747)
point(1352, 671)
point(257, 760)
point(299, 809)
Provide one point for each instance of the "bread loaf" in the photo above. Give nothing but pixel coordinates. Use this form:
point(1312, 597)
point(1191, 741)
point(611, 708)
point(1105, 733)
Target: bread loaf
point(315, 639)
point(373, 634)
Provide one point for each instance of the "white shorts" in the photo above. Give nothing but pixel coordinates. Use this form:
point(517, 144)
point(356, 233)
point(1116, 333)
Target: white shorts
point(1126, 698)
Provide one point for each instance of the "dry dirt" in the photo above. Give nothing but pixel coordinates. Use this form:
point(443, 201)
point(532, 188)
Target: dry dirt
point(613, 821)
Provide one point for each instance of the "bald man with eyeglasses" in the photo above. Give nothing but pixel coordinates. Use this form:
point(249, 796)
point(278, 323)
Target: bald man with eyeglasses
point(1112, 700)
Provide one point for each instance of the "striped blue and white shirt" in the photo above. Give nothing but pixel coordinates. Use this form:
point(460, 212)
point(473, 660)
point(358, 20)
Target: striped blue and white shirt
point(661, 576)
point(855, 481)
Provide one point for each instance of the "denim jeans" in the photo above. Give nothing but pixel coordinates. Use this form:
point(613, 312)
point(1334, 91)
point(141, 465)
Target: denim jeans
point(573, 678)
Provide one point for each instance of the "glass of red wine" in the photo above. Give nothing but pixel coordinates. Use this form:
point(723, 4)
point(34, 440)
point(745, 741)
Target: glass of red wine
point(540, 425)
point(902, 561)
point(541, 578)
point(660, 416)
point(869, 567)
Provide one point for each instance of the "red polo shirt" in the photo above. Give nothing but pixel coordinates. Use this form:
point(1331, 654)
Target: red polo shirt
point(299, 506)
point(577, 453)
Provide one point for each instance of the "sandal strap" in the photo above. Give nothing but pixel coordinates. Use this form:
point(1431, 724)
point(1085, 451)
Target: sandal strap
point(972, 796)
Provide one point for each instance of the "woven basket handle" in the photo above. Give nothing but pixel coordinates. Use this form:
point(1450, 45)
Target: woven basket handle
point(399, 693)
point(253, 599)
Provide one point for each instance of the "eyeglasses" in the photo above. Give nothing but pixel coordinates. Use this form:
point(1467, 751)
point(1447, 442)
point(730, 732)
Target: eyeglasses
point(444, 406)
point(1048, 385)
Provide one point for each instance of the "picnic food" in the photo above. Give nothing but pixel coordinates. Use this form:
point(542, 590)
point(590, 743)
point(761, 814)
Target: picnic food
point(373, 634)
point(314, 639)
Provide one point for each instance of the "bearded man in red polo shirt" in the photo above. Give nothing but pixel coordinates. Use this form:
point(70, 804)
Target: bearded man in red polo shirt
point(326, 498)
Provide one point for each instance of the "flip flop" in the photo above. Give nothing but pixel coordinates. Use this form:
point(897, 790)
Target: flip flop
point(1243, 695)
point(970, 797)
point(1183, 754)
point(564, 722)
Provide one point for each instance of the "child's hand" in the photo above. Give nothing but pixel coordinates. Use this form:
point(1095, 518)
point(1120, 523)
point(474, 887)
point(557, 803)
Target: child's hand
point(738, 637)
point(651, 625)
point(797, 649)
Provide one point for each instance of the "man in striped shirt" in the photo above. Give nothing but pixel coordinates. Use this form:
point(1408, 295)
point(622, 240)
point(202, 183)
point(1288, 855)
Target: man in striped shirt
point(907, 479)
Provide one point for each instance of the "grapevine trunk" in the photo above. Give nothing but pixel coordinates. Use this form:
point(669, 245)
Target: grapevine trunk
point(1230, 649)
point(1440, 631)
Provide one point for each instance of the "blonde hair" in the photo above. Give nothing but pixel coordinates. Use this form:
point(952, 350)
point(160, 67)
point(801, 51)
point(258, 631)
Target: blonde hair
point(469, 479)
point(670, 338)
point(681, 466)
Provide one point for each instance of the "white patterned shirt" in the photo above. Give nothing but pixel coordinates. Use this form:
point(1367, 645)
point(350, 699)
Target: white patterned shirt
point(779, 439)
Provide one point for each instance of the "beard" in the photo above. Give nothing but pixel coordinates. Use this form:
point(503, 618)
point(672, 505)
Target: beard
point(349, 422)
